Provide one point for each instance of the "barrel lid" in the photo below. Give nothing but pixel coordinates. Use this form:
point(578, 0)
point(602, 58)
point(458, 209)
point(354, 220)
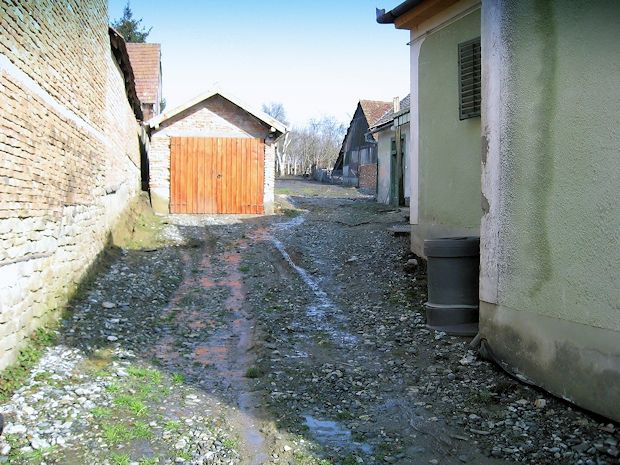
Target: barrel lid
point(462, 246)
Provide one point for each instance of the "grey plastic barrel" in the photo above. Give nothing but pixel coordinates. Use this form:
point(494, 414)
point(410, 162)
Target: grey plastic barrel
point(453, 265)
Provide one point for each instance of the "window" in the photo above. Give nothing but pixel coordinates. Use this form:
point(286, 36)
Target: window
point(470, 78)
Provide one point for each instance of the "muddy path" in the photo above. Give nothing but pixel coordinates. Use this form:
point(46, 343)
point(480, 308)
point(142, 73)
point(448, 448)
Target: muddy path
point(294, 339)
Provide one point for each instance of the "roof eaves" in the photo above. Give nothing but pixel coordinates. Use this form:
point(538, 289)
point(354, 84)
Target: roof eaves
point(117, 44)
point(156, 121)
point(388, 17)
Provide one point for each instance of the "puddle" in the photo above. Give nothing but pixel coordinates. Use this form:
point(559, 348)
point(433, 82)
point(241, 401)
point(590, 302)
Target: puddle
point(333, 434)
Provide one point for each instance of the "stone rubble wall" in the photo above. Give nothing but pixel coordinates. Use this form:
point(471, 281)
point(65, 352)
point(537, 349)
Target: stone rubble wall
point(69, 156)
point(216, 117)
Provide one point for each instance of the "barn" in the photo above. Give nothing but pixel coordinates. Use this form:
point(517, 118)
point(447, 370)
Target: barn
point(213, 155)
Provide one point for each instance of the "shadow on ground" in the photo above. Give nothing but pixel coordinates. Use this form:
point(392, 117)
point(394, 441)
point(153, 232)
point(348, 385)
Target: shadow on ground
point(292, 339)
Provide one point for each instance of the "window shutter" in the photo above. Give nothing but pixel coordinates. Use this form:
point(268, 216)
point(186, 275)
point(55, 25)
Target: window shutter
point(470, 77)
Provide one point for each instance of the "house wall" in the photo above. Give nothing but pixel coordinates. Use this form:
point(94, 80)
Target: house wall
point(448, 152)
point(384, 148)
point(69, 156)
point(405, 133)
point(216, 117)
point(550, 299)
point(384, 157)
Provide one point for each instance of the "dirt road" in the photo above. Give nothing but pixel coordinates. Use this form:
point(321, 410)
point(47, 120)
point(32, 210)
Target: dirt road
point(291, 339)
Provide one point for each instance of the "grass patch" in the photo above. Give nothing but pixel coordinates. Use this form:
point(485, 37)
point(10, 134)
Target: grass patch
point(101, 412)
point(120, 459)
point(253, 372)
point(149, 461)
point(38, 455)
point(151, 375)
point(131, 403)
point(112, 388)
point(116, 433)
point(14, 376)
point(344, 415)
point(244, 268)
point(185, 454)
point(178, 378)
point(291, 212)
point(230, 443)
point(172, 425)
point(141, 430)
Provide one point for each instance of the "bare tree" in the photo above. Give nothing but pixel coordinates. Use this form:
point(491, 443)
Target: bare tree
point(315, 145)
point(305, 148)
point(275, 110)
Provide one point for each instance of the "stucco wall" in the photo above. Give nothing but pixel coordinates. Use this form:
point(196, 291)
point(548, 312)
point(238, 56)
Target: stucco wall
point(384, 148)
point(449, 149)
point(215, 117)
point(551, 237)
point(69, 156)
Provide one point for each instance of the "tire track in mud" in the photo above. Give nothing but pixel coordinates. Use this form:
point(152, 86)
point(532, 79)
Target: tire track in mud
point(222, 349)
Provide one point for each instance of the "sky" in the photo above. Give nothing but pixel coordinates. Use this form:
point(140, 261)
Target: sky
point(316, 57)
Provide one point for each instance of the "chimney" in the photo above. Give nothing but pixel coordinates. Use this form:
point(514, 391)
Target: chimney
point(396, 102)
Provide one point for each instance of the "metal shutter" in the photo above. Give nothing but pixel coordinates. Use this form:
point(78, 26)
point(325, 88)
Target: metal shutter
point(469, 79)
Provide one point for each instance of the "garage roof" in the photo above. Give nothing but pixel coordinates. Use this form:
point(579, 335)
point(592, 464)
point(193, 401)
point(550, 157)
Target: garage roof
point(156, 121)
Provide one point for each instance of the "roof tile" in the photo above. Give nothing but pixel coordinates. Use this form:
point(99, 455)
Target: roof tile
point(145, 61)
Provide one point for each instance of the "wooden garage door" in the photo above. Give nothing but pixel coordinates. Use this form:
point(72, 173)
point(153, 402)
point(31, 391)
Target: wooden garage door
point(216, 175)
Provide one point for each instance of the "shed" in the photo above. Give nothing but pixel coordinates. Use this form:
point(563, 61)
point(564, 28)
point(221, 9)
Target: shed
point(357, 160)
point(213, 154)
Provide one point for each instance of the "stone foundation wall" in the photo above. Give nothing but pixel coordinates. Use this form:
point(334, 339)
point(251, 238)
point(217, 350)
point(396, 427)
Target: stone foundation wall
point(69, 156)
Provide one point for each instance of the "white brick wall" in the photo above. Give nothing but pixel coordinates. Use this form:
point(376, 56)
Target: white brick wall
point(69, 156)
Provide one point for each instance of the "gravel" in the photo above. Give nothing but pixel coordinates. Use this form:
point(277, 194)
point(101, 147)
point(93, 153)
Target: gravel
point(293, 339)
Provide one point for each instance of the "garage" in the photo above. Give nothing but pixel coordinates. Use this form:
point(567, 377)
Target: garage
point(216, 175)
point(213, 155)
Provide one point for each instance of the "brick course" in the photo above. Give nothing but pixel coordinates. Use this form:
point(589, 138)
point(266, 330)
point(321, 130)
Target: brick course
point(69, 155)
point(368, 178)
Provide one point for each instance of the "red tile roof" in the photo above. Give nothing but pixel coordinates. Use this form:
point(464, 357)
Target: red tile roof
point(374, 109)
point(145, 61)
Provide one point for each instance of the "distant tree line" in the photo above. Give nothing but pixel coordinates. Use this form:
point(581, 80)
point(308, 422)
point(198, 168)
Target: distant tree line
point(314, 145)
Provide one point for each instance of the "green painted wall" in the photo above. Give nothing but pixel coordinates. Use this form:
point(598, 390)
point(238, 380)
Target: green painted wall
point(560, 243)
point(449, 149)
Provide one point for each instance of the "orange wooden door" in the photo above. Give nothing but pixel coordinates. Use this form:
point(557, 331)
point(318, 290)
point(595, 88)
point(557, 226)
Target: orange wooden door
point(216, 175)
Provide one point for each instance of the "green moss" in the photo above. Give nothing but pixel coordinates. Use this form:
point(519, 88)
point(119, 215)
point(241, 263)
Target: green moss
point(253, 372)
point(13, 377)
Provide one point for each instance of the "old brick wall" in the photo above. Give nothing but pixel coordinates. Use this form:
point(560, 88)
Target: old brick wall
point(216, 117)
point(368, 178)
point(69, 155)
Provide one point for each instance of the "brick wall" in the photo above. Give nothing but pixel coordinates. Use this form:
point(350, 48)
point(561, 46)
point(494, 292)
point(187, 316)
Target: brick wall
point(215, 117)
point(69, 155)
point(368, 178)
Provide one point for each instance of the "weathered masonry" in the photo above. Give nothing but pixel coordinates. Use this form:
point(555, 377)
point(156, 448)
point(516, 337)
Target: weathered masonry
point(69, 153)
point(213, 154)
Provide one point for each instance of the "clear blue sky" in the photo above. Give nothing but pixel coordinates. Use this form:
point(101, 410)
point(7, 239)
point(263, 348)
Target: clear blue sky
point(316, 57)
